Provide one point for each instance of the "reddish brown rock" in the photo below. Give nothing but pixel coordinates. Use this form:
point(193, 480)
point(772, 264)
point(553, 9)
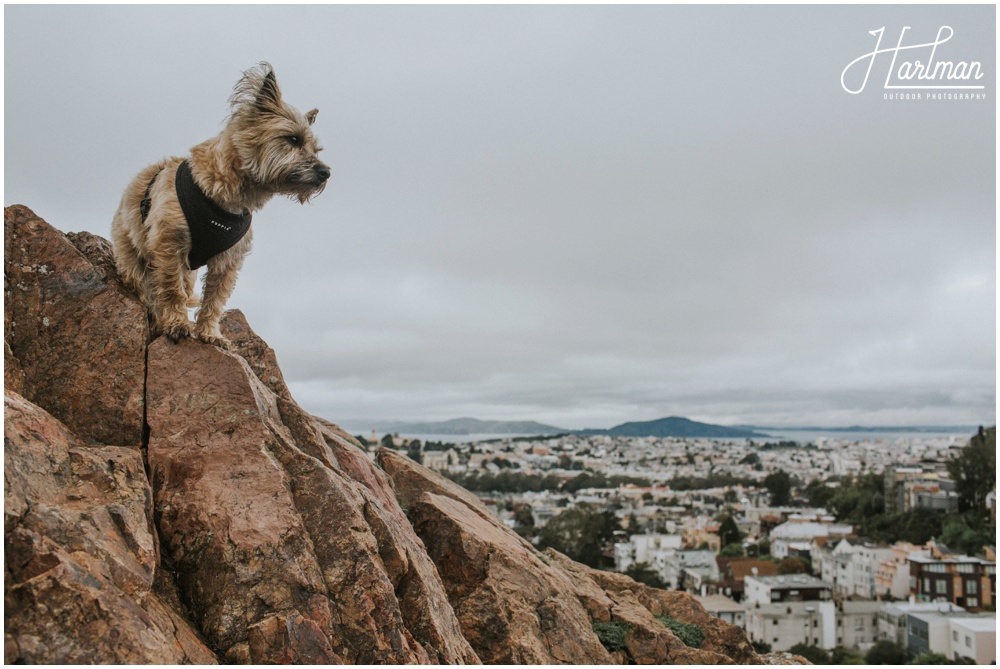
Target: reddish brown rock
point(513, 607)
point(78, 339)
point(319, 542)
point(253, 529)
point(80, 582)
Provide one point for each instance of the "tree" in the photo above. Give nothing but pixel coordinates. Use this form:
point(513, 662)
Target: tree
point(885, 652)
point(819, 494)
point(814, 654)
point(931, 658)
point(791, 565)
point(729, 533)
point(973, 470)
point(581, 532)
point(841, 655)
point(732, 551)
point(779, 485)
point(957, 534)
point(641, 572)
point(414, 452)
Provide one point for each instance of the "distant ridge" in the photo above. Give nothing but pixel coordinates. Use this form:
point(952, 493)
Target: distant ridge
point(936, 429)
point(465, 426)
point(676, 427)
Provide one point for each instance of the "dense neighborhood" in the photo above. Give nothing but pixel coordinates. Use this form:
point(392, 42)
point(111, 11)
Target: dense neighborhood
point(843, 550)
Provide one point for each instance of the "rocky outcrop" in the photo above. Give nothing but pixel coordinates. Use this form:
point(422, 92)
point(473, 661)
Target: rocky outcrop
point(171, 503)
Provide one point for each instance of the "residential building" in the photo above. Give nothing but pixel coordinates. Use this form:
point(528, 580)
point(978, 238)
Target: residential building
point(789, 588)
point(892, 617)
point(686, 569)
point(954, 635)
point(857, 623)
point(795, 538)
point(851, 568)
point(732, 571)
point(892, 577)
point(644, 548)
point(919, 486)
point(725, 608)
point(974, 638)
point(785, 624)
point(963, 580)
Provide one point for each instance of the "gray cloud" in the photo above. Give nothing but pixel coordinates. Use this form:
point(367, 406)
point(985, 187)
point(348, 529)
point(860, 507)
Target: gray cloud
point(583, 215)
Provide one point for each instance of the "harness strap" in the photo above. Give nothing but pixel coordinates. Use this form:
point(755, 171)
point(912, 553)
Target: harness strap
point(147, 201)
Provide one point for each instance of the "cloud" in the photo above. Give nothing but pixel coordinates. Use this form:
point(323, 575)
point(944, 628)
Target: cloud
point(580, 215)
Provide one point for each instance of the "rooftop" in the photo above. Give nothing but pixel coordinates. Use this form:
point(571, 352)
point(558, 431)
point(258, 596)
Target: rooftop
point(790, 581)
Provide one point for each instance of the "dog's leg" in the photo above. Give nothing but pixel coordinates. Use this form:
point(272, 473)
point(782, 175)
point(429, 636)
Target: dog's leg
point(220, 279)
point(193, 300)
point(169, 299)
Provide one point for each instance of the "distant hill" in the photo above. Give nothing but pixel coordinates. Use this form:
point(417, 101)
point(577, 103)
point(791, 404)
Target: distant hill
point(463, 426)
point(676, 427)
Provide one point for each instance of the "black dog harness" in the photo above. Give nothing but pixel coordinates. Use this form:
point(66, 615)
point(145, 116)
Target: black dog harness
point(213, 229)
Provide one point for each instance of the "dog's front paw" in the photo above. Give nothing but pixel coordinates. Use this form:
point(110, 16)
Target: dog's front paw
point(177, 331)
point(211, 335)
point(217, 340)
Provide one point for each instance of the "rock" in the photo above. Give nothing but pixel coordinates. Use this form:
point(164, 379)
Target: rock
point(518, 606)
point(319, 543)
point(80, 581)
point(171, 503)
point(513, 608)
point(78, 339)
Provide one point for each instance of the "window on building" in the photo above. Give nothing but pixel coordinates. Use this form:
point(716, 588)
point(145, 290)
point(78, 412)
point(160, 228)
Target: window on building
point(971, 587)
point(859, 624)
point(954, 635)
point(968, 642)
point(972, 602)
point(941, 587)
point(927, 585)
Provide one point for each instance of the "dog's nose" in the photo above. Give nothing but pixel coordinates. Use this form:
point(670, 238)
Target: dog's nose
point(322, 172)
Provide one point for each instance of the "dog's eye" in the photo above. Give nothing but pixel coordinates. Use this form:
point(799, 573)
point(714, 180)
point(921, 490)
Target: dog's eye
point(294, 140)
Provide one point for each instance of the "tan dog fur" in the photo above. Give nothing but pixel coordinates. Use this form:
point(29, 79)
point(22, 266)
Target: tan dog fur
point(267, 148)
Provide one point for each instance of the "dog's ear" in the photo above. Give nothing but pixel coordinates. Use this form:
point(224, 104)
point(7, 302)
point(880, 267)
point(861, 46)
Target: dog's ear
point(268, 95)
point(311, 115)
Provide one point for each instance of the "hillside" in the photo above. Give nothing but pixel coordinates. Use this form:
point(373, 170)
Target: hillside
point(676, 427)
point(465, 426)
point(171, 503)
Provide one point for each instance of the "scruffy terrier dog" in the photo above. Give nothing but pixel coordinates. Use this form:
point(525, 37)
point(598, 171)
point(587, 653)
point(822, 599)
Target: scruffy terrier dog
point(180, 214)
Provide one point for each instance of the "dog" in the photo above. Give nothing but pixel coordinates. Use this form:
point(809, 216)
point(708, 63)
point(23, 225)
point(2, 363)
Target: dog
point(182, 213)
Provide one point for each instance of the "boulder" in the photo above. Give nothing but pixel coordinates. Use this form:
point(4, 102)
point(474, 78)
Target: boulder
point(171, 503)
point(262, 512)
point(74, 339)
point(81, 583)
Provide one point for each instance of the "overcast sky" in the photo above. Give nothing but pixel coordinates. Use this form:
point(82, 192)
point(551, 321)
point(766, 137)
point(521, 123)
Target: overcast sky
point(577, 215)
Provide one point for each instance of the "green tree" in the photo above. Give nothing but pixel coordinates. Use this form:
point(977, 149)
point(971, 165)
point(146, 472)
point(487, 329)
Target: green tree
point(387, 441)
point(779, 485)
point(414, 452)
point(641, 572)
point(957, 534)
point(931, 658)
point(841, 655)
point(729, 533)
point(885, 652)
point(819, 494)
point(581, 532)
point(732, 551)
point(973, 470)
point(791, 565)
point(814, 654)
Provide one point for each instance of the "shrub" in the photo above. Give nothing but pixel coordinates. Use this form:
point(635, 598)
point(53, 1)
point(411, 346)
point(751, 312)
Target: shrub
point(612, 634)
point(691, 634)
